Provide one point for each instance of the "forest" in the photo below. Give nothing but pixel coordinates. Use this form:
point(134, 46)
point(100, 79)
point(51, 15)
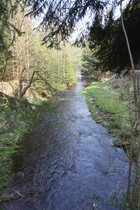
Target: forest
point(39, 57)
point(25, 61)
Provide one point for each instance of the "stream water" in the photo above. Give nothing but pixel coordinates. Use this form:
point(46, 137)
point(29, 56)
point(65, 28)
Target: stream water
point(67, 161)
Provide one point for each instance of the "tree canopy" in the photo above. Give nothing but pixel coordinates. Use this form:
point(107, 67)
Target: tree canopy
point(59, 17)
point(24, 61)
point(108, 42)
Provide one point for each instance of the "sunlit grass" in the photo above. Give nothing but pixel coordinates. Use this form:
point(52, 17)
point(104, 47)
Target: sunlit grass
point(108, 101)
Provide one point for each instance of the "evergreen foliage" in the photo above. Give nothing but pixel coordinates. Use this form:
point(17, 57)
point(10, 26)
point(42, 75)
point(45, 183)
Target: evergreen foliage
point(8, 31)
point(59, 18)
point(7, 11)
point(89, 63)
point(108, 43)
point(106, 37)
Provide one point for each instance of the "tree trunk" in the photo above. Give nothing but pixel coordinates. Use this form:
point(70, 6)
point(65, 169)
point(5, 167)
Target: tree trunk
point(22, 91)
point(134, 193)
point(130, 54)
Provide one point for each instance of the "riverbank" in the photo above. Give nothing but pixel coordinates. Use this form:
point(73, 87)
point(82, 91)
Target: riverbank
point(15, 117)
point(111, 104)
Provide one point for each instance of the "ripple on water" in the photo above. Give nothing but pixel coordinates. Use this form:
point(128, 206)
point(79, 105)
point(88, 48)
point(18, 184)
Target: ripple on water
point(67, 157)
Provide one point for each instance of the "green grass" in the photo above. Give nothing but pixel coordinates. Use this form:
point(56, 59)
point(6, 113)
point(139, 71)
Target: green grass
point(15, 117)
point(114, 108)
point(111, 108)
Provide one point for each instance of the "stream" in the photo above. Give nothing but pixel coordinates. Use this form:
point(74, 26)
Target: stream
point(67, 161)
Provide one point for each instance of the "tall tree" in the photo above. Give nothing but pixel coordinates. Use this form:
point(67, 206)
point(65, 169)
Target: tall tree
point(108, 42)
point(7, 11)
point(59, 18)
point(89, 62)
point(7, 32)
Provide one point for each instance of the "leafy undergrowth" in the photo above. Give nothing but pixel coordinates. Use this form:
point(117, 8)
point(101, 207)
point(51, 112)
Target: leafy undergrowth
point(14, 121)
point(111, 104)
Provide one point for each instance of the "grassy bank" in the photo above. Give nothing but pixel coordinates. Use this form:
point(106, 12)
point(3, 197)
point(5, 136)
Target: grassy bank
point(110, 104)
point(15, 117)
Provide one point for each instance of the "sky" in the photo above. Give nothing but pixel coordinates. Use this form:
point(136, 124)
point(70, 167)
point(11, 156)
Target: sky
point(117, 13)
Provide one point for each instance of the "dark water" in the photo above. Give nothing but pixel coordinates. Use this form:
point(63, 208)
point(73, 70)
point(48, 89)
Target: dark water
point(66, 158)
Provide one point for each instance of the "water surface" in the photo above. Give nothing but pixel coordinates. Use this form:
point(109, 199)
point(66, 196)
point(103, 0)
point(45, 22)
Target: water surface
point(66, 158)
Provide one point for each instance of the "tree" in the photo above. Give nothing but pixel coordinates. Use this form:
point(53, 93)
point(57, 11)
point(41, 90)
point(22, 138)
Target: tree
point(59, 18)
point(107, 39)
point(134, 195)
point(7, 32)
point(90, 64)
point(7, 11)
point(31, 62)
